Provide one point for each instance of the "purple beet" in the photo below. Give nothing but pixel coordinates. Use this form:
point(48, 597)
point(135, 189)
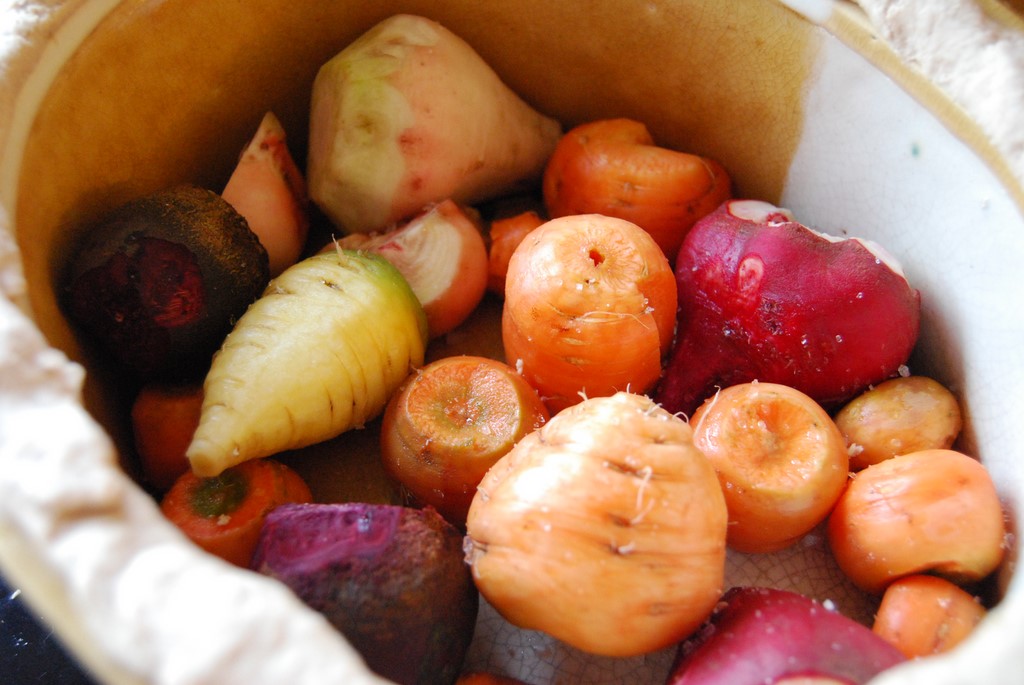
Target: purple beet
point(392, 579)
point(762, 635)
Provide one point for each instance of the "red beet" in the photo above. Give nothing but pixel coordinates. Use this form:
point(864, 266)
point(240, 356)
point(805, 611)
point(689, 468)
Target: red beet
point(761, 635)
point(391, 579)
point(160, 281)
point(762, 297)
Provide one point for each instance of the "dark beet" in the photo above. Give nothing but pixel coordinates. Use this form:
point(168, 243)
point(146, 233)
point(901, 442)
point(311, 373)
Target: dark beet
point(159, 283)
point(391, 579)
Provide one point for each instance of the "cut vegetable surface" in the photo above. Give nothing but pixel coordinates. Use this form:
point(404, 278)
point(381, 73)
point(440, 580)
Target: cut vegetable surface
point(319, 353)
point(762, 635)
point(409, 114)
point(762, 297)
point(605, 528)
point(390, 578)
point(590, 307)
point(613, 167)
point(781, 461)
point(448, 424)
point(224, 514)
point(158, 282)
point(442, 254)
point(932, 511)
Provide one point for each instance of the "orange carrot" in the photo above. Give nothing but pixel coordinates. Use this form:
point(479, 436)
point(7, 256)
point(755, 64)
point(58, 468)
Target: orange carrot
point(924, 615)
point(590, 306)
point(613, 167)
point(605, 529)
point(899, 416)
point(930, 511)
point(506, 234)
point(164, 417)
point(780, 459)
point(448, 424)
point(224, 514)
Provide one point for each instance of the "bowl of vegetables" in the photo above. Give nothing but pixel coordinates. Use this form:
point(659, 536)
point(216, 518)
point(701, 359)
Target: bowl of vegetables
point(511, 342)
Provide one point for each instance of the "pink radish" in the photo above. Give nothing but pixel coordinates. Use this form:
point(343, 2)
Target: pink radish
point(762, 297)
point(762, 635)
point(268, 189)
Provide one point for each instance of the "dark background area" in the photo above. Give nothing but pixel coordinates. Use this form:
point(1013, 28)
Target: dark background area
point(30, 653)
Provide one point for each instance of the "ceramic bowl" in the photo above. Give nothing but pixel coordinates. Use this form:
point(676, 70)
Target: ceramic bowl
point(104, 100)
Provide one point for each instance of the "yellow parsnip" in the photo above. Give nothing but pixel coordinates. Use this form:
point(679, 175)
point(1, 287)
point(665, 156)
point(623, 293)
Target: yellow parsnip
point(319, 353)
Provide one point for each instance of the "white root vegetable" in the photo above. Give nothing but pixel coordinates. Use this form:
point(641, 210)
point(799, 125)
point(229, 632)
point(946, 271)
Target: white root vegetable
point(409, 114)
point(319, 353)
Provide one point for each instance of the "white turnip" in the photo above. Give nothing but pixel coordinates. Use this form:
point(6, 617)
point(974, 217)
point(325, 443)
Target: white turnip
point(762, 635)
point(762, 297)
point(390, 578)
point(410, 114)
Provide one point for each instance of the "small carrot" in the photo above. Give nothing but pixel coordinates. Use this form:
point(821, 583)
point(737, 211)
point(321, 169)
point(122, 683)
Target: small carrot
point(164, 417)
point(780, 459)
point(923, 615)
point(448, 424)
point(899, 416)
point(505, 235)
point(224, 514)
point(614, 167)
point(590, 306)
point(934, 511)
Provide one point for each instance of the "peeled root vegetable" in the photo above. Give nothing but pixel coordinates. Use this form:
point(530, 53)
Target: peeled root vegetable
point(164, 417)
point(924, 615)
point(268, 189)
point(780, 459)
point(605, 529)
point(900, 416)
point(761, 635)
point(449, 422)
point(442, 254)
point(762, 297)
point(319, 353)
point(613, 167)
point(934, 511)
point(506, 234)
point(391, 579)
point(410, 114)
point(590, 303)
